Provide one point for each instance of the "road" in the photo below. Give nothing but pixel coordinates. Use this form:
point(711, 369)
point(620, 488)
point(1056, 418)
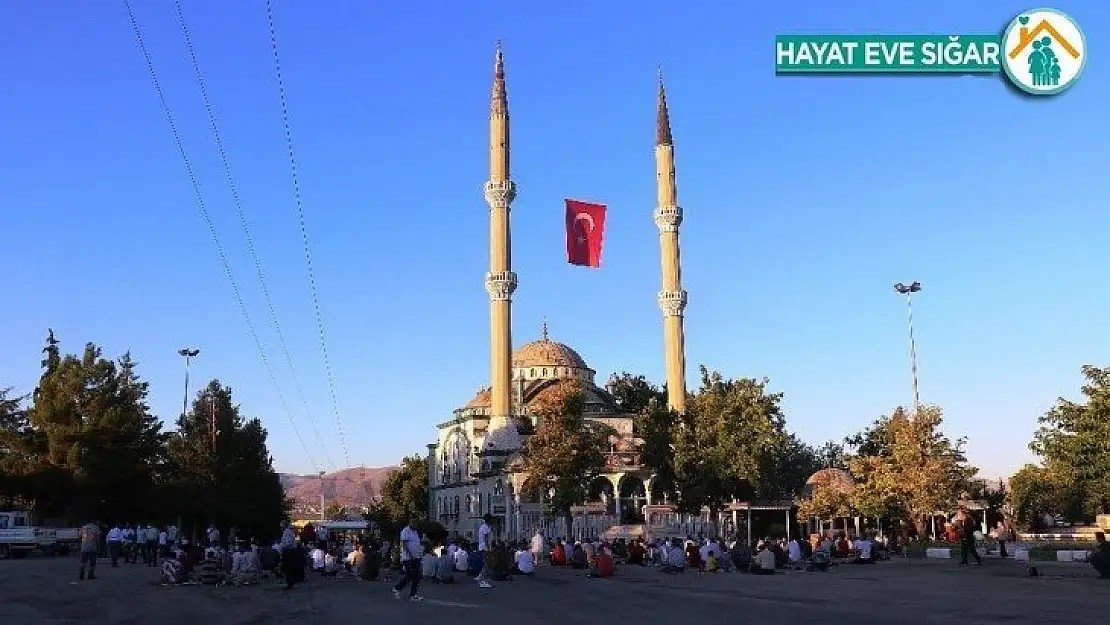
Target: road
point(40, 591)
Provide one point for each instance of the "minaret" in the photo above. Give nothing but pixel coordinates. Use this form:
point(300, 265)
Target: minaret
point(500, 281)
point(668, 218)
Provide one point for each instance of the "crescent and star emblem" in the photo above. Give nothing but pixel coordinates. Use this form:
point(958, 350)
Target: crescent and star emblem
point(582, 231)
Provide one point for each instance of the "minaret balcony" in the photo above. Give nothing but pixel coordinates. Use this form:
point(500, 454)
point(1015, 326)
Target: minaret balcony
point(672, 303)
point(500, 285)
point(500, 193)
point(668, 217)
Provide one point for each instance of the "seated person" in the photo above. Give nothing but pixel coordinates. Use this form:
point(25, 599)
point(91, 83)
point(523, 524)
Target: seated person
point(1100, 556)
point(843, 548)
point(764, 562)
point(524, 562)
point(794, 552)
point(172, 571)
point(462, 559)
point(558, 554)
point(245, 568)
point(269, 559)
point(331, 564)
point(693, 556)
point(712, 564)
point(741, 556)
point(445, 568)
point(578, 557)
point(861, 551)
point(317, 557)
point(636, 553)
point(208, 572)
point(373, 562)
point(675, 558)
point(501, 562)
point(602, 565)
point(428, 563)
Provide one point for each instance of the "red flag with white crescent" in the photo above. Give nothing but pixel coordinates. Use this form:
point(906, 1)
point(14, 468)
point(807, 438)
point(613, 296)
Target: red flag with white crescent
point(585, 233)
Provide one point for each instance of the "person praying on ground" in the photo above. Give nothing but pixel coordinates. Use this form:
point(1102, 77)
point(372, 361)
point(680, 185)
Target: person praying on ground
point(445, 568)
point(462, 559)
point(794, 552)
point(578, 558)
point(693, 556)
point(765, 562)
point(245, 568)
point(317, 557)
point(602, 565)
point(331, 563)
point(90, 545)
point(208, 572)
point(711, 562)
point(1100, 556)
point(558, 554)
point(428, 563)
point(502, 562)
point(591, 551)
point(524, 561)
point(862, 550)
point(636, 553)
point(675, 558)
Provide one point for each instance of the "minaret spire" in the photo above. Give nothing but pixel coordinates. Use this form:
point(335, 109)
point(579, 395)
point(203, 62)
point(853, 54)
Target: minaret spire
point(501, 282)
point(668, 218)
point(662, 116)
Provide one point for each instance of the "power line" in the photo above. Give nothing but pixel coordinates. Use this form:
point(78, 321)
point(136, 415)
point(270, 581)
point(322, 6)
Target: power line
point(298, 200)
point(186, 33)
point(211, 226)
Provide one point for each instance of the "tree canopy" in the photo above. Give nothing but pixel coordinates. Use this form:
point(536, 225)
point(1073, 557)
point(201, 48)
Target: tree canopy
point(86, 446)
point(404, 496)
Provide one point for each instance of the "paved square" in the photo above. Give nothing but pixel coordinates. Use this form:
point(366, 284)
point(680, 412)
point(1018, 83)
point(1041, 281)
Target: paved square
point(38, 591)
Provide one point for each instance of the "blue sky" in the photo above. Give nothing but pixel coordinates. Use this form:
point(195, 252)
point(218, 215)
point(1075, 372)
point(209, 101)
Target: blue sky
point(805, 200)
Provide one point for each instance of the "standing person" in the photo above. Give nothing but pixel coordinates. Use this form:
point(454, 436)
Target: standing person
point(967, 526)
point(292, 567)
point(411, 551)
point(1005, 533)
point(485, 533)
point(90, 545)
point(115, 544)
point(538, 547)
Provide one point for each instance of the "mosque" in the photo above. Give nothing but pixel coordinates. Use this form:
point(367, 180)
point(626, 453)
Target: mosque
point(475, 464)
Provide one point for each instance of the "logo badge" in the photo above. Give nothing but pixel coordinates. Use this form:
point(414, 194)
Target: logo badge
point(1043, 51)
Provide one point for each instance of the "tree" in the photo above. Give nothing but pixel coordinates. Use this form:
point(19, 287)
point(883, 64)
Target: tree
point(221, 469)
point(566, 452)
point(726, 444)
point(916, 471)
point(634, 394)
point(1072, 442)
point(334, 511)
point(829, 497)
point(832, 455)
point(653, 423)
point(1033, 492)
point(404, 496)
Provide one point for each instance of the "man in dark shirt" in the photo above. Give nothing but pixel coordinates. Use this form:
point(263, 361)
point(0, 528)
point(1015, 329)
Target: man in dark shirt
point(1100, 556)
point(966, 525)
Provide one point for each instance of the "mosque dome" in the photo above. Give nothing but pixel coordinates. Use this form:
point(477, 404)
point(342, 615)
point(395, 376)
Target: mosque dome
point(547, 353)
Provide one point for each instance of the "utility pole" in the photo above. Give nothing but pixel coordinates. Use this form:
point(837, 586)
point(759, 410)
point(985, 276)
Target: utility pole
point(188, 354)
point(908, 291)
point(322, 495)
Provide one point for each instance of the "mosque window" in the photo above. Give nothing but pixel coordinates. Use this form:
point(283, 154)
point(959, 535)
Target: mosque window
point(456, 509)
point(531, 373)
point(545, 373)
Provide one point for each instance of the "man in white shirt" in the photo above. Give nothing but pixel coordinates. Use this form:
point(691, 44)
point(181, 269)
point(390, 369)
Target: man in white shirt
point(411, 551)
point(485, 535)
point(862, 547)
point(462, 560)
point(115, 544)
point(765, 561)
point(317, 556)
point(525, 563)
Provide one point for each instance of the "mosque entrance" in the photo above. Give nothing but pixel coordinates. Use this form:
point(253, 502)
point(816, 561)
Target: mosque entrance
point(633, 498)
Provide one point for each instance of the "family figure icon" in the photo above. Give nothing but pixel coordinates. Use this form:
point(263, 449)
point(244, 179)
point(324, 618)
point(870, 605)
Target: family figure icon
point(1044, 67)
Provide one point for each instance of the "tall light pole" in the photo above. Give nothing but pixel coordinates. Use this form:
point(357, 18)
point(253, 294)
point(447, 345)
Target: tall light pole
point(322, 496)
point(188, 354)
point(908, 291)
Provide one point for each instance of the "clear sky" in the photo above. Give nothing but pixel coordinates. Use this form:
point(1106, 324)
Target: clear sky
point(805, 200)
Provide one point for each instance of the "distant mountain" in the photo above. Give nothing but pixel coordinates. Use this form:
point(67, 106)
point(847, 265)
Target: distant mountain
point(353, 488)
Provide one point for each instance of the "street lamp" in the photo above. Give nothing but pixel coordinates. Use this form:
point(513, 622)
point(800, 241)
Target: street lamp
point(322, 495)
point(908, 291)
point(188, 354)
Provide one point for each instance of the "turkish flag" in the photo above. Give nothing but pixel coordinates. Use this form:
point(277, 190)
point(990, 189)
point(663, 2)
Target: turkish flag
point(585, 233)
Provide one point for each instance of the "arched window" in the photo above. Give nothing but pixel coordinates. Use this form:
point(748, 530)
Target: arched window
point(531, 373)
point(545, 373)
point(456, 509)
point(469, 504)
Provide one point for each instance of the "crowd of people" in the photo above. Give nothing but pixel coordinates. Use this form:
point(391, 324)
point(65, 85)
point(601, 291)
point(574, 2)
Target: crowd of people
point(485, 560)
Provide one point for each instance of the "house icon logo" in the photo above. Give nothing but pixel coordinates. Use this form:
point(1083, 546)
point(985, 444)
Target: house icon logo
point(1043, 51)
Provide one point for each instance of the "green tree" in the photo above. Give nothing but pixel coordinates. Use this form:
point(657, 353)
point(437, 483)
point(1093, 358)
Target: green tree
point(829, 497)
point(334, 511)
point(404, 496)
point(634, 394)
point(566, 452)
point(653, 423)
point(726, 443)
point(220, 467)
point(1072, 442)
point(1032, 493)
point(917, 470)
